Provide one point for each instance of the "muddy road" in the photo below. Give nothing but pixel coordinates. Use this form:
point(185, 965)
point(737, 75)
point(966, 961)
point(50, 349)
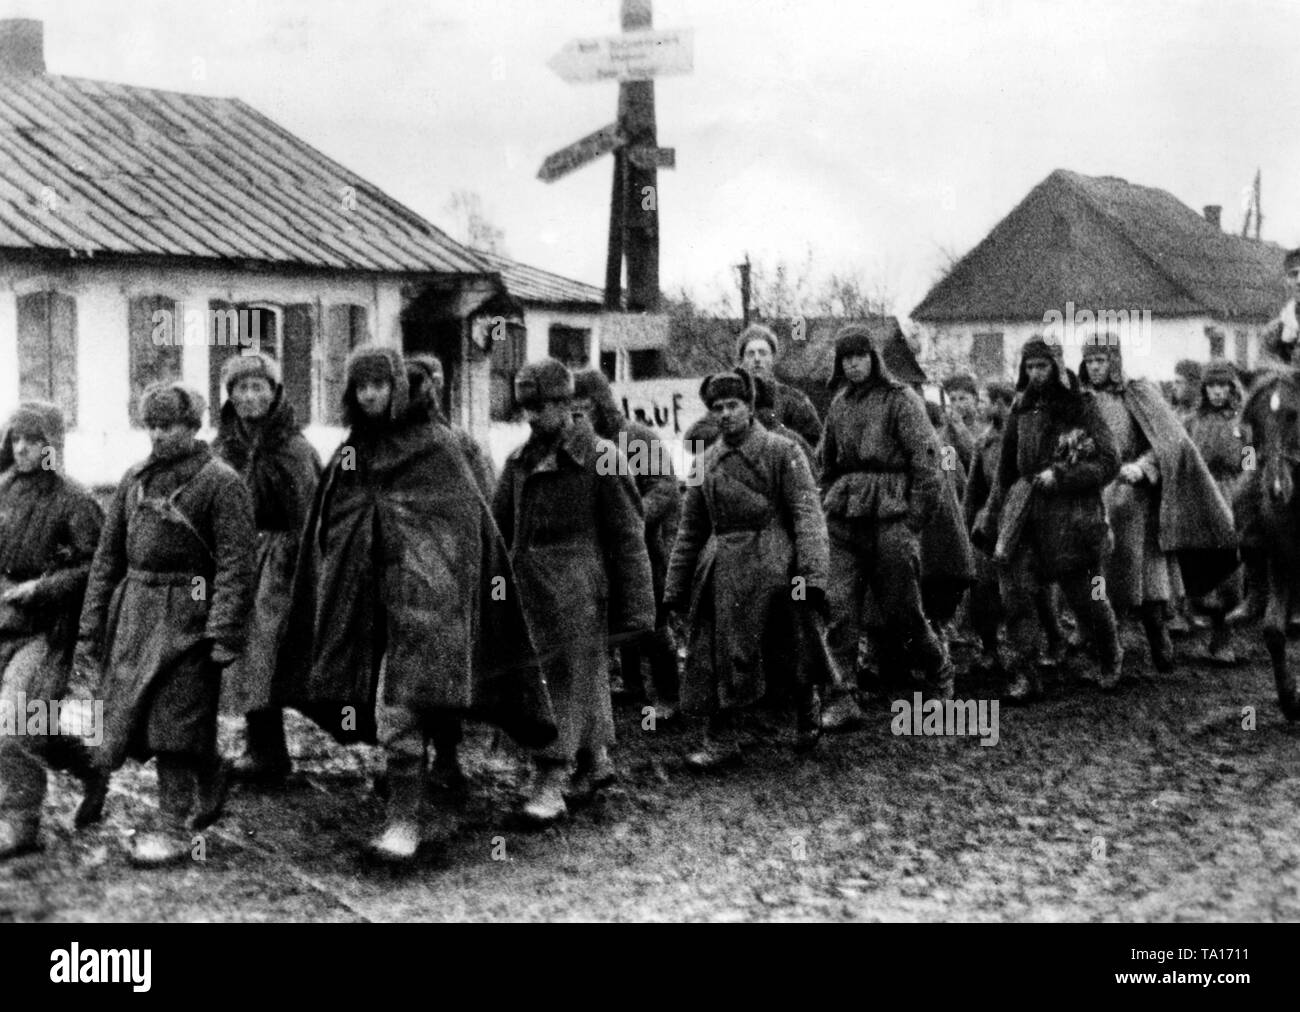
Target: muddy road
point(1157, 803)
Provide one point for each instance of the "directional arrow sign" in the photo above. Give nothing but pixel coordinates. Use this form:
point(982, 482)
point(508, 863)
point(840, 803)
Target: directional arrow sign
point(653, 158)
point(579, 153)
point(632, 56)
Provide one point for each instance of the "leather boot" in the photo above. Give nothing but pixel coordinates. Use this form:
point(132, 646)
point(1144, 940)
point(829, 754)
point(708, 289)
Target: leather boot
point(266, 756)
point(400, 839)
point(18, 835)
point(1024, 687)
point(1157, 630)
point(808, 718)
point(545, 803)
point(167, 842)
point(1221, 652)
point(212, 781)
point(1252, 606)
point(841, 712)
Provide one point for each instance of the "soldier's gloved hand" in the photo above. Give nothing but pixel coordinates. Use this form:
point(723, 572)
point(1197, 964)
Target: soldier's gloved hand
point(1046, 479)
point(1132, 473)
point(222, 656)
point(21, 593)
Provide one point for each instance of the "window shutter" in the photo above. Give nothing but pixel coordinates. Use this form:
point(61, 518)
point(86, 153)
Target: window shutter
point(47, 351)
point(150, 362)
point(299, 337)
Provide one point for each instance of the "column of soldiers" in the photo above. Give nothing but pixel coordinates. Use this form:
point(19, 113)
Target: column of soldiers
point(403, 588)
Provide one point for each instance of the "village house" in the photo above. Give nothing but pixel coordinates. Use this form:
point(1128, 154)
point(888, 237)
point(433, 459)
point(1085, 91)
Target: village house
point(148, 234)
point(1084, 252)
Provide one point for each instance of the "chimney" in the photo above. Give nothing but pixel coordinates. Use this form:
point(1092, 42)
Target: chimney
point(22, 47)
point(1213, 214)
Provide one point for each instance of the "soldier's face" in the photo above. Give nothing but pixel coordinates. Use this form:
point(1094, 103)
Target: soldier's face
point(996, 410)
point(963, 403)
point(1216, 394)
point(29, 451)
point(732, 414)
point(1039, 371)
point(1181, 389)
point(758, 357)
point(550, 417)
point(252, 397)
point(857, 368)
point(582, 411)
point(1098, 367)
point(171, 440)
point(374, 396)
point(1293, 280)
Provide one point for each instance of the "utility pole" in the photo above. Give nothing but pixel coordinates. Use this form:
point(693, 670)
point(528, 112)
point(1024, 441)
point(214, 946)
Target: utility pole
point(744, 269)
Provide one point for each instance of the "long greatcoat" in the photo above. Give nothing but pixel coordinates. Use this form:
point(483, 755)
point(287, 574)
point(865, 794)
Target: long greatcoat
point(49, 527)
point(400, 561)
point(1195, 522)
point(172, 575)
point(751, 524)
point(281, 470)
point(573, 521)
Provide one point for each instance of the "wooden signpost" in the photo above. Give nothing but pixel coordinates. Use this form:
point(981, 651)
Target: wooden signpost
point(633, 59)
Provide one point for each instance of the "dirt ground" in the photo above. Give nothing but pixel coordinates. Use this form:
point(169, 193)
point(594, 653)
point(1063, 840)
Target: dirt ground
point(1152, 804)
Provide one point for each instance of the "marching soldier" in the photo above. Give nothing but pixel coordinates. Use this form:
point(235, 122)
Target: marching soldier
point(880, 472)
point(259, 437)
point(1222, 437)
point(405, 616)
point(1163, 501)
point(49, 526)
point(756, 351)
point(572, 519)
point(652, 469)
point(1057, 455)
point(749, 565)
point(167, 605)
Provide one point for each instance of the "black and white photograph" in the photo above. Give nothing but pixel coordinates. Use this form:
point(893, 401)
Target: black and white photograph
point(651, 461)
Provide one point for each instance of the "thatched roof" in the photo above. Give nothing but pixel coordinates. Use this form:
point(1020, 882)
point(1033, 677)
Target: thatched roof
point(1104, 243)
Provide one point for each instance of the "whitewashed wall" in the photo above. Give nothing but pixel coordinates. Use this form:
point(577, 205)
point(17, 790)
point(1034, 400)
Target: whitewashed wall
point(1171, 339)
point(103, 444)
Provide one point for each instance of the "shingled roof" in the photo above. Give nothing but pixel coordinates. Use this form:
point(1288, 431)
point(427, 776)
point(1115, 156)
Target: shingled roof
point(1104, 243)
point(534, 285)
point(113, 169)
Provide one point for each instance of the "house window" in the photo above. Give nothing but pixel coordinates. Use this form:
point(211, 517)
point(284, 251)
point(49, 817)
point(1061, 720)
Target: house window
point(508, 356)
point(645, 364)
point(571, 345)
point(609, 365)
point(1242, 338)
point(47, 351)
point(1217, 341)
point(234, 328)
point(346, 327)
point(987, 355)
point(156, 332)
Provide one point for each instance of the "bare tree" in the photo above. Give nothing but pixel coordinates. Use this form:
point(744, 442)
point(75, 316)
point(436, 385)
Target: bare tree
point(473, 225)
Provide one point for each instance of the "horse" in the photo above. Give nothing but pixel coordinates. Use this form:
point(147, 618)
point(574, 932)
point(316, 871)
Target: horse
point(1272, 411)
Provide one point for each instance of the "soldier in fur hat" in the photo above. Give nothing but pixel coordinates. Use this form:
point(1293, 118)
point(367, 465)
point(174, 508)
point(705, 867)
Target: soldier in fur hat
point(1222, 437)
point(881, 481)
point(756, 351)
point(166, 610)
point(750, 566)
point(259, 437)
point(49, 526)
point(569, 511)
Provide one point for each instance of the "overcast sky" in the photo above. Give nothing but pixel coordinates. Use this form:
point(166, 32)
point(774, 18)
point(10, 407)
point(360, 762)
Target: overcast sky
point(878, 134)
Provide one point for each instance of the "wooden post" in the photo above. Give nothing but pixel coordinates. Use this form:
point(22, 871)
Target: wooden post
point(617, 234)
point(636, 115)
